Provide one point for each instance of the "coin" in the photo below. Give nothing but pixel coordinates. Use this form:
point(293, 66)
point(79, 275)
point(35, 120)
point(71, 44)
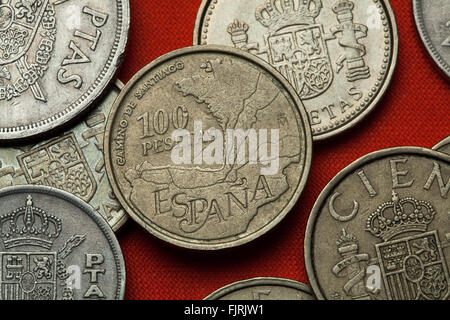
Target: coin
point(55, 246)
point(176, 147)
point(381, 229)
point(433, 23)
point(339, 56)
point(56, 58)
point(443, 146)
point(73, 162)
point(263, 289)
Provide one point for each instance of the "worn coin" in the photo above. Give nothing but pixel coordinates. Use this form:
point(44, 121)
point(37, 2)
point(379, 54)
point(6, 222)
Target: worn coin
point(263, 289)
point(73, 162)
point(208, 147)
point(443, 146)
point(339, 55)
point(381, 229)
point(56, 58)
point(54, 246)
point(433, 22)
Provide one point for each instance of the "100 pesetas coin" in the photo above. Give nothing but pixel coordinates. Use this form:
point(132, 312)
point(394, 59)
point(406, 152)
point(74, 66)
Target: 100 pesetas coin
point(263, 289)
point(339, 55)
point(54, 246)
point(56, 58)
point(443, 146)
point(380, 230)
point(208, 147)
point(73, 162)
point(433, 23)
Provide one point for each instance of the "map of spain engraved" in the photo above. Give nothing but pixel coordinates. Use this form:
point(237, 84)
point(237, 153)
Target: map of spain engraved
point(215, 195)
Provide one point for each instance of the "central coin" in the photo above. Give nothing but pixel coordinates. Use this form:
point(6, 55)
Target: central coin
point(208, 147)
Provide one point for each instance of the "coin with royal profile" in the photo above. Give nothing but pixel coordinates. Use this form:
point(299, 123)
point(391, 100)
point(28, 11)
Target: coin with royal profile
point(443, 146)
point(433, 23)
point(208, 147)
point(339, 55)
point(380, 230)
point(263, 289)
point(56, 58)
point(73, 162)
point(54, 246)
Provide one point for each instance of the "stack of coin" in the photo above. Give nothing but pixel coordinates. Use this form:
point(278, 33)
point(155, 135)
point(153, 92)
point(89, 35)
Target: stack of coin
point(209, 147)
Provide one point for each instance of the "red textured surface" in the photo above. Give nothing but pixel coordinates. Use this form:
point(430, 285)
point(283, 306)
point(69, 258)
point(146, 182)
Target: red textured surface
point(414, 112)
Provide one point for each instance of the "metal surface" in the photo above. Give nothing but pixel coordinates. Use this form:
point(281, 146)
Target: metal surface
point(339, 55)
point(380, 229)
point(443, 146)
point(263, 289)
point(199, 205)
point(73, 162)
point(54, 246)
point(433, 22)
point(56, 58)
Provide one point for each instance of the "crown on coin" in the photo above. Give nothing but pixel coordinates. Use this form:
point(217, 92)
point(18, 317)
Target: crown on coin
point(277, 14)
point(400, 215)
point(237, 28)
point(29, 226)
point(343, 6)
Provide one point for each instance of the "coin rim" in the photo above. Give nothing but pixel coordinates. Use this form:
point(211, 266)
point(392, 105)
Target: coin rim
point(75, 108)
point(93, 214)
point(303, 117)
point(338, 178)
point(441, 144)
point(124, 219)
point(381, 92)
point(260, 281)
point(426, 40)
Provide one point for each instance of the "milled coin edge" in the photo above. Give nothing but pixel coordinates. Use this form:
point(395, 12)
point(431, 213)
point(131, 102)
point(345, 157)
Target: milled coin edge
point(338, 178)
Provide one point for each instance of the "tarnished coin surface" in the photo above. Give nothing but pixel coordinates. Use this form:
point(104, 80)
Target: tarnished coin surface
point(56, 58)
point(73, 162)
point(54, 246)
point(208, 147)
point(443, 146)
point(381, 229)
point(263, 289)
point(433, 22)
point(338, 54)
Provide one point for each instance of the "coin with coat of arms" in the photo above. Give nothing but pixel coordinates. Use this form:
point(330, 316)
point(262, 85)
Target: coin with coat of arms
point(380, 230)
point(338, 54)
point(433, 23)
point(54, 246)
point(208, 147)
point(443, 146)
point(56, 58)
point(263, 289)
point(73, 162)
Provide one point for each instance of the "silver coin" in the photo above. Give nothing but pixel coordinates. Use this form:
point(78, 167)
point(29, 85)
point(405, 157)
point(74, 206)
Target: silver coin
point(338, 54)
point(433, 22)
point(56, 58)
point(380, 229)
point(263, 289)
point(54, 246)
point(443, 146)
point(73, 162)
point(220, 189)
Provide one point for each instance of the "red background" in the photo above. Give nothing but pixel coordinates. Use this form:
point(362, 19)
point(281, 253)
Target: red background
point(414, 112)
